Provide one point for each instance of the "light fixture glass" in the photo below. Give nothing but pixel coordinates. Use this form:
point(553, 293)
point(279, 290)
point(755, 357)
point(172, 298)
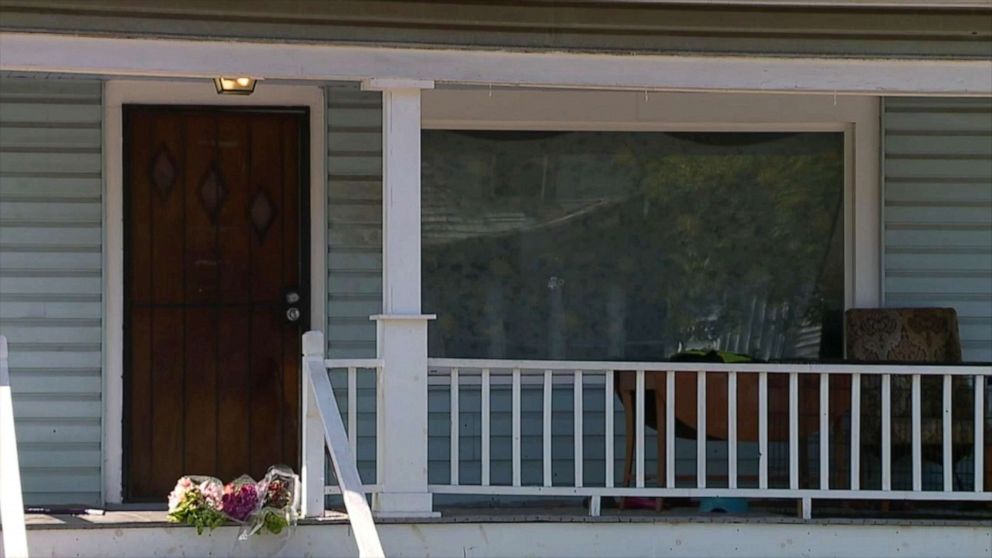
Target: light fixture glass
point(235, 85)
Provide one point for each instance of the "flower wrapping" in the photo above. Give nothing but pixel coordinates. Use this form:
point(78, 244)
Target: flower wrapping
point(241, 498)
point(266, 506)
point(197, 501)
point(281, 498)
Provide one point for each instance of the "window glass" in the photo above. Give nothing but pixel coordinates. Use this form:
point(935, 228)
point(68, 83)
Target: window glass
point(633, 245)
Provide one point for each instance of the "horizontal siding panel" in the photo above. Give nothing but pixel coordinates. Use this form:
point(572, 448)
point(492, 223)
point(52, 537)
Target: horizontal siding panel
point(929, 235)
point(937, 167)
point(55, 186)
point(355, 162)
point(46, 381)
point(21, 112)
point(57, 430)
point(46, 163)
point(938, 262)
point(71, 235)
point(40, 283)
point(944, 192)
point(13, 138)
point(64, 480)
point(57, 212)
point(50, 281)
point(59, 457)
point(938, 211)
point(977, 213)
point(978, 144)
point(978, 119)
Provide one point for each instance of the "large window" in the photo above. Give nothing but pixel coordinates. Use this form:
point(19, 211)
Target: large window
point(633, 245)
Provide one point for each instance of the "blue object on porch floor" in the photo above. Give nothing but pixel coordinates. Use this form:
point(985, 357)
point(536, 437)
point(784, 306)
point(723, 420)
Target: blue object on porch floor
point(725, 505)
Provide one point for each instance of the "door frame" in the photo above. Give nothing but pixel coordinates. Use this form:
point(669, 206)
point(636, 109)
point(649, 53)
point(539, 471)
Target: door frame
point(201, 93)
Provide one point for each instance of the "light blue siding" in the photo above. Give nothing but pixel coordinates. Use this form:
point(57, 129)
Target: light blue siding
point(354, 257)
point(50, 281)
point(937, 172)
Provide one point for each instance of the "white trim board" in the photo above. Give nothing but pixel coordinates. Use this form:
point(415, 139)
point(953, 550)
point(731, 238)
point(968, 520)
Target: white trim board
point(41, 52)
point(118, 93)
point(856, 116)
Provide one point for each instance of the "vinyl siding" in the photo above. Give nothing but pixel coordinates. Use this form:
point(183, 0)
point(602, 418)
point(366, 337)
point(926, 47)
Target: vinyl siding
point(537, 25)
point(50, 281)
point(354, 257)
point(938, 211)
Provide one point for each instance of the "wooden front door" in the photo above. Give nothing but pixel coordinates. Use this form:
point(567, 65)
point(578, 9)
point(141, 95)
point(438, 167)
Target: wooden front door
point(214, 219)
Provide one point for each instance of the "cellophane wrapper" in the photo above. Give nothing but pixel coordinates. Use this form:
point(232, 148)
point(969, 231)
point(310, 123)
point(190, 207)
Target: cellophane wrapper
point(242, 500)
point(197, 501)
point(279, 503)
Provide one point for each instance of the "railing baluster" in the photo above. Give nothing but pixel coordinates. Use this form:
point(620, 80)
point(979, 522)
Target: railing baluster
point(917, 436)
point(794, 431)
point(732, 430)
point(855, 431)
point(609, 428)
point(377, 465)
point(515, 424)
point(485, 427)
point(762, 429)
point(353, 410)
point(669, 429)
point(577, 423)
point(979, 433)
point(886, 432)
point(947, 466)
point(701, 429)
point(546, 438)
point(824, 431)
point(455, 418)
point(639, 428)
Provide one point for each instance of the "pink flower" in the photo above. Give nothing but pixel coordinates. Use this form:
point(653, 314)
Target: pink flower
point(213, 494)
point(178, 493)
point(240, 501)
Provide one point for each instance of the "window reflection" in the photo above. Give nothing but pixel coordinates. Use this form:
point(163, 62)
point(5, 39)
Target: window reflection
point(633, 245)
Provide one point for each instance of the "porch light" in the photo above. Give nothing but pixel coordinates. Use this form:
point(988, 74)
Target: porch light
point(235, 85)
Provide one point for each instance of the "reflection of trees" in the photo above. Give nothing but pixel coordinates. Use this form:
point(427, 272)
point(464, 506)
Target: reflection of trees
point(740, 225)
point(690, 238)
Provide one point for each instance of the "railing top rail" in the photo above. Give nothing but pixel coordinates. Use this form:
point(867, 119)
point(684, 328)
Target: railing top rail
point(801, 368)
point(363, 363)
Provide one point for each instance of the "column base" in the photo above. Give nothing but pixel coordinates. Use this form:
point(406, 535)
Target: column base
point(403, 504)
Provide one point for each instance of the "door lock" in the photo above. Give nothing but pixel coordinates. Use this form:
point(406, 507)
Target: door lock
point(292, 314)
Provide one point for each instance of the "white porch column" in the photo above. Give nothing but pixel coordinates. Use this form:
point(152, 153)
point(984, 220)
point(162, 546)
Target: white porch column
point(401, 328)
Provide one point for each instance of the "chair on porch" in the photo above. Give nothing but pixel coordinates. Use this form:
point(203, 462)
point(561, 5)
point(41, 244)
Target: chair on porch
point(905, 335)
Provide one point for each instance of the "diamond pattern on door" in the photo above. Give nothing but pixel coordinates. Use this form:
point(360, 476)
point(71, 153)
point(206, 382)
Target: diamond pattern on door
point(212, 193)
point(262, 213)
point(163, 172)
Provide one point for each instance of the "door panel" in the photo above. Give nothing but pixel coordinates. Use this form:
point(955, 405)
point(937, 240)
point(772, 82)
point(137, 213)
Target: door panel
point(214, 217)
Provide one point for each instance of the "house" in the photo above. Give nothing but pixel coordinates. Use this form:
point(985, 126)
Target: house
point(502, 218)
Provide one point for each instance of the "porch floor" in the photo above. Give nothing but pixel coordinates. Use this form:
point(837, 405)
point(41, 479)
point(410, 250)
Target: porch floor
point(919, 514)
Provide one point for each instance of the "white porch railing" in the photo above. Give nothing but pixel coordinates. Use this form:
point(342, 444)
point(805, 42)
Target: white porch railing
point(14, 542)
point(342, 450)
point(483, 375)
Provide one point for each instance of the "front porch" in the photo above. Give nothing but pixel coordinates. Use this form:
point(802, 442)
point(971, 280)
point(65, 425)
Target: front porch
point(497, 272)
point(556, 531)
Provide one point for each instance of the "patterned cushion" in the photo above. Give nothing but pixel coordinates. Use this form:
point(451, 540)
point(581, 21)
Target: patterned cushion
point(903, 335)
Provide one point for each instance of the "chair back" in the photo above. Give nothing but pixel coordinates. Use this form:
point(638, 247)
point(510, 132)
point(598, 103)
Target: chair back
point(903, 335)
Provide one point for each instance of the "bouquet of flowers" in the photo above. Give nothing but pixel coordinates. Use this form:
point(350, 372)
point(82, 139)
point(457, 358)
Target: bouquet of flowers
point(197, 501)
point(280, 501)
point(266, 506)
